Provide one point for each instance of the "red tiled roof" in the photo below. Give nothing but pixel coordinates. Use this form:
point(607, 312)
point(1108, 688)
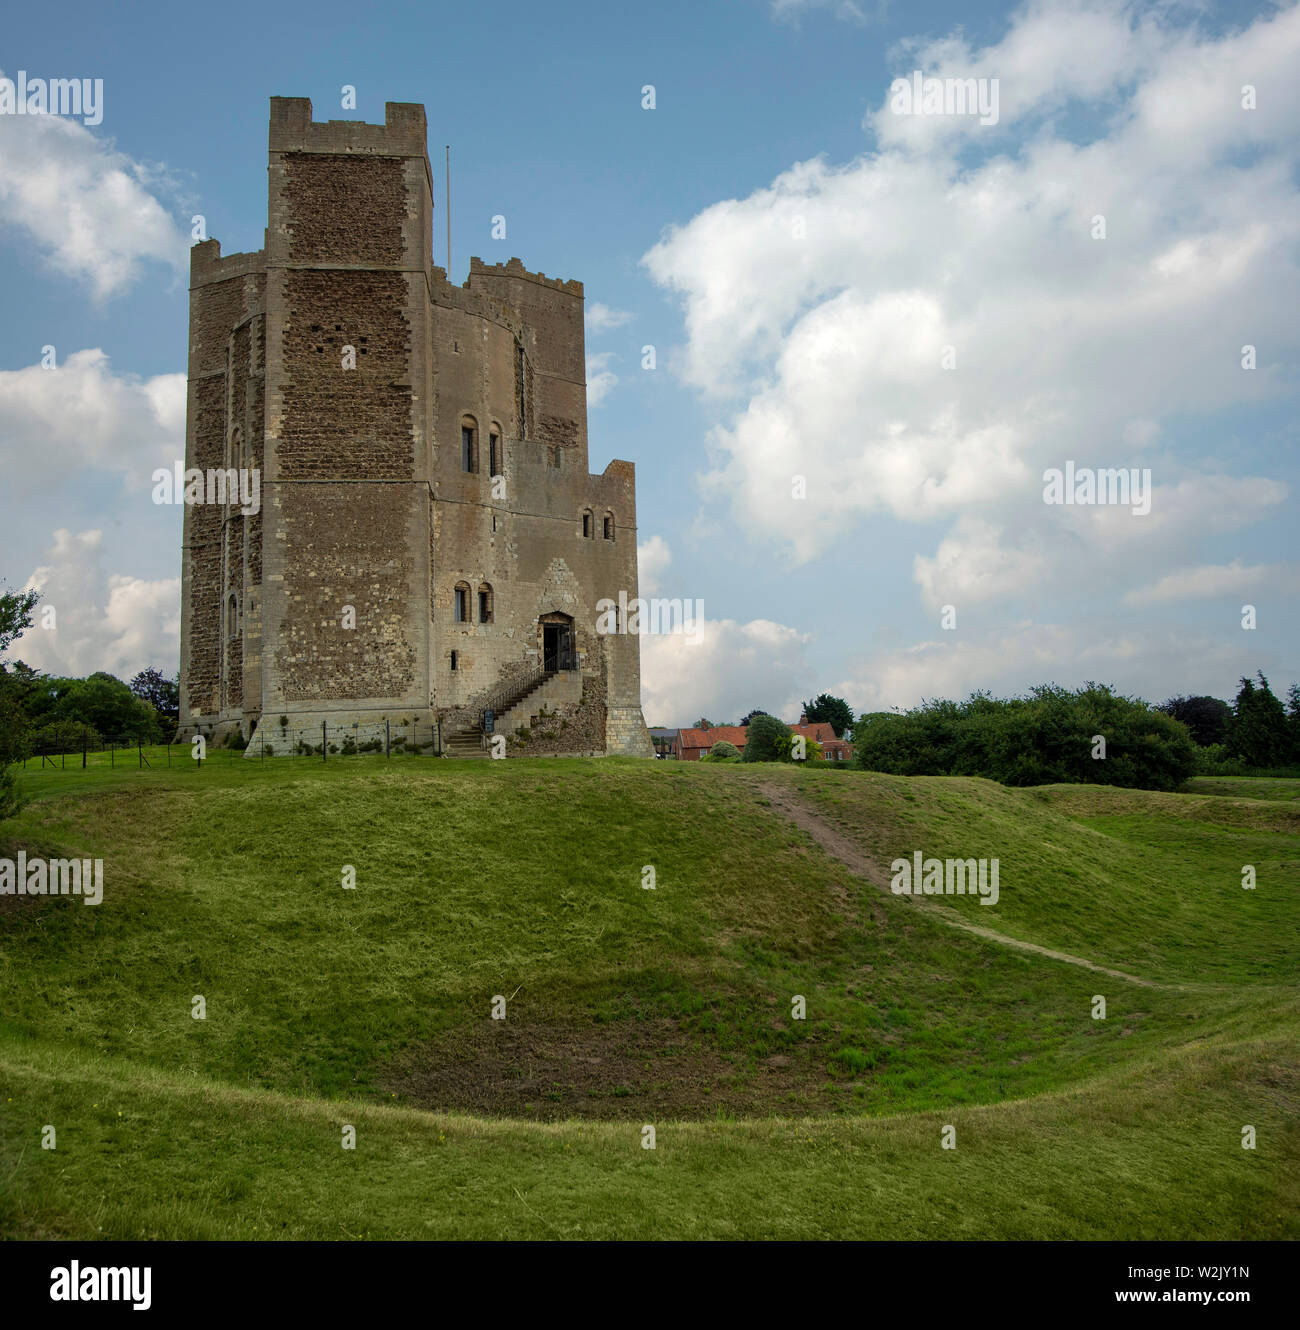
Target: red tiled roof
point(732, 734)
point(820, 730)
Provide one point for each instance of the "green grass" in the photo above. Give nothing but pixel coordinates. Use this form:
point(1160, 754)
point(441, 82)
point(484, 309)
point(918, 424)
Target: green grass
point(523, 878)
point(1143, 882)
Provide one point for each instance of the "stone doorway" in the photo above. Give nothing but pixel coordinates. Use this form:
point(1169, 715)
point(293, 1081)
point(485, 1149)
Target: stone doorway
point(558, 652)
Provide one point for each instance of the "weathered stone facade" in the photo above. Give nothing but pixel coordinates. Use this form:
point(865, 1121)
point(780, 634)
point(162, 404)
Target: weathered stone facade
point(422, 449)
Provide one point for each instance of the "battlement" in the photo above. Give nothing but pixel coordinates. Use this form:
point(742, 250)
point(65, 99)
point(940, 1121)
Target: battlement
point(515, 268)
point(207, 264)
point(477, 303)
point(404, 132)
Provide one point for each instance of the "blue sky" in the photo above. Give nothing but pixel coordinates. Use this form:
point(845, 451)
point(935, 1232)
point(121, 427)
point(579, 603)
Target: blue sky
point(799, 256)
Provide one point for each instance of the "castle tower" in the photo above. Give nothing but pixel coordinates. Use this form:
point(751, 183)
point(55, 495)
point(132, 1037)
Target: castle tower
point(429, 542)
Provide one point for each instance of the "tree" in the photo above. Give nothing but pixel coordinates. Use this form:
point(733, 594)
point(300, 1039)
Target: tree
point(1049, 736)
point(763, 739)
point(161, 693)
point(108, 706)
point(1258, 732)
point(15, 618)
point(1293, 721)
point(1206, 717)
point(703, 724)
point(829, 710)
point(15, 615)
point(745, 719)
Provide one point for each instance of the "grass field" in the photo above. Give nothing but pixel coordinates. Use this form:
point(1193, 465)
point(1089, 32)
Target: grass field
point(628, 1007)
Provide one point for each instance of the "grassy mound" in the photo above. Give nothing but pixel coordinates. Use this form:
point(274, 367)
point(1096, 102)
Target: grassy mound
point(673, 1006)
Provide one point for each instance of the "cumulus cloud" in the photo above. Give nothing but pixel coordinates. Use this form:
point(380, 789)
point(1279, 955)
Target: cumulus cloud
point(653, 557)
point(920, 334)
point(102, 621)
point(601, 380)
point(600, 317)
point(90, 209)
point(81, 415)
point(729, 669)
point(1012, 660)
point(1210, 580)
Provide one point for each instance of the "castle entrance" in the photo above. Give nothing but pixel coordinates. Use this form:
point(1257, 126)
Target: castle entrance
point(557, 643)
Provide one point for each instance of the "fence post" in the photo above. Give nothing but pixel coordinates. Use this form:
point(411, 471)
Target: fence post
point(261, 734)
point(84, 741)
point(324, 742)
point(388, 740)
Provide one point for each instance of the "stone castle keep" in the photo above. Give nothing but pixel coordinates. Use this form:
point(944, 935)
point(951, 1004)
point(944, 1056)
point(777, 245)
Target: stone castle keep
point(436, 495)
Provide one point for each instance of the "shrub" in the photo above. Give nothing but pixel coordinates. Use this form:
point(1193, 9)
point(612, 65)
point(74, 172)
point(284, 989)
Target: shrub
point(812, 750)
point(722, 751)
point(1215, 760)
point(763, 739)
point(1044, 738)
point(64, 736)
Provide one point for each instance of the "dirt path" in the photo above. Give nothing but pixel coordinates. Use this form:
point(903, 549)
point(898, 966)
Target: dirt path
point(841, 847)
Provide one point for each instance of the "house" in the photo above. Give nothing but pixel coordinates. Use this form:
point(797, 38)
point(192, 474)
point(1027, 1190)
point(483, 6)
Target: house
point(692, 744)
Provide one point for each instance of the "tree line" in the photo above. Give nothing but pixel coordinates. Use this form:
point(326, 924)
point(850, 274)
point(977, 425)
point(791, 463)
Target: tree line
point(48, 713)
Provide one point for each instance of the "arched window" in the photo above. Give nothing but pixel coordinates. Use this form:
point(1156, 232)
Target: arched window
point(460, 602)
point(609, 526)
point(232, 616)
point(468, 443)
point(455, 661)
point(485, 602)
point(496, 454)
point(588, 524)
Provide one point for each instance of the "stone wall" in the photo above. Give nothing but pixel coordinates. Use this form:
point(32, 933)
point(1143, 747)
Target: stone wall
point(366, 502)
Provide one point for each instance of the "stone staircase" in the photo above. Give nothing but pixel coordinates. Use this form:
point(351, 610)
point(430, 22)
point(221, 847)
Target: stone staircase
point(560, 687)
point(468, 741)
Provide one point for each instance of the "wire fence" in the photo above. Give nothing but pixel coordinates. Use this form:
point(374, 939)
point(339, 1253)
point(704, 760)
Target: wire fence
point(323, 743)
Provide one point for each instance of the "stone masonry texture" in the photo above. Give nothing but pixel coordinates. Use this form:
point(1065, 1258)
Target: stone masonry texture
point(387, 576)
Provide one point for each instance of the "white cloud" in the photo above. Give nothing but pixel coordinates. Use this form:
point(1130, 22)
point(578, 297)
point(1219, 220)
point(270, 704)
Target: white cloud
point(1021, 655)
point(819, 310)
point(600, 380)
point(55, 423)
point(89, 208)
point(652, 557)
point(790, 11)
point(600, 317)
point(1211, 580)
point(731, 668)
point(103, 621)
point(972, 565)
